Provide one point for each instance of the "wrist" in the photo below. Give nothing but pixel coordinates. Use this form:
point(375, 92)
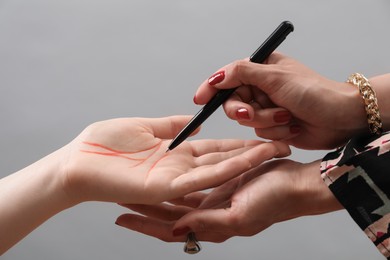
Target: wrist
point(71, 176)
point(351, 117)
point(29, 197)
point(312, 191)
point(46, 178)
point(381, 85)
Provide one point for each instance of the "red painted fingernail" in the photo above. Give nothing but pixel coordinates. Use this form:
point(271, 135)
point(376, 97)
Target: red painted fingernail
point(195, 100)
point(242, 113)
point(217, 78)
point(295, 129)
point(181, 231)
point(282, 117)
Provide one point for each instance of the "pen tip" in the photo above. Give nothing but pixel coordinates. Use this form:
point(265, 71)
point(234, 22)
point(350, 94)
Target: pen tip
point(167, 150)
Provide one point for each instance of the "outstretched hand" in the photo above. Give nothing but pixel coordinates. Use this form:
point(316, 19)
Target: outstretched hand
point(125, 161)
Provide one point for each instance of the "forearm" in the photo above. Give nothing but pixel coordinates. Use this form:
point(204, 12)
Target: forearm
point(29, 197)
point(381, 85)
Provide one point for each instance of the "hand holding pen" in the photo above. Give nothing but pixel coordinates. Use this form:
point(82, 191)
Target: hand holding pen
point(284, 99)
point(259, 56)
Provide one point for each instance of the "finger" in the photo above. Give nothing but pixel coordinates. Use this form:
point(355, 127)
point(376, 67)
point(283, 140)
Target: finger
point(214, 225)
point(252, 115)
point(163, 230)
point(259, 97)
point(244, 93)
point(236, 109)
point(202, 147)
point(192, 200)
point(266, 118)
point(167, 127)
point(206, 90)
point(149, 226)
point(214, 175)
point(249, 94)
point(216, 157)
point(241, 73)
point(162, 211)
point(285, 132)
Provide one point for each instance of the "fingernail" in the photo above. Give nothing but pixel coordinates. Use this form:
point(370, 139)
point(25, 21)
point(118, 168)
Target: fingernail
point(242, 113)
point(195, 100)
point(295, 129)
point(217, 78)
point(181, 231)
point(282, 117)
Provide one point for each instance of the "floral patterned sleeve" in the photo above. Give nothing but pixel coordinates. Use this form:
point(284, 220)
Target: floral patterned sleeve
point(359, 176)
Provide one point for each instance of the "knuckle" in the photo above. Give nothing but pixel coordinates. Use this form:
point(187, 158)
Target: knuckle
point(238, 67)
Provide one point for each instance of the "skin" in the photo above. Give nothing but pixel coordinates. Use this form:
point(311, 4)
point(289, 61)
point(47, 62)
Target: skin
point(324, 113)
point(122, 161)
point(317, 113)
point(275, 191)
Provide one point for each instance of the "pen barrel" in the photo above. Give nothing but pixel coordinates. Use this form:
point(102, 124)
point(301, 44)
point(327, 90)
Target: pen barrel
point(259, 56)
point(272, 42)
point(201, 116)
point(221, 96)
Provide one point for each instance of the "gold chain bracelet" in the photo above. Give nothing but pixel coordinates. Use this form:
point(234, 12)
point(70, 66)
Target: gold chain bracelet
point(370, 102)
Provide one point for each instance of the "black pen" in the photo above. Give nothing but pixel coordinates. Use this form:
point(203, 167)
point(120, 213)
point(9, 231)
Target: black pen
point(259, 56)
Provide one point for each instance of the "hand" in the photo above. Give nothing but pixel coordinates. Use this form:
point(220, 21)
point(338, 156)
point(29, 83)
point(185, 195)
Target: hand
point(125, 161)
point(273, 192)
point(285, 100)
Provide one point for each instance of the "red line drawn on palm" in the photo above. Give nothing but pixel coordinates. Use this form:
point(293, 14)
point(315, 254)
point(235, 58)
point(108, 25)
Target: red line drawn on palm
point(138, 157)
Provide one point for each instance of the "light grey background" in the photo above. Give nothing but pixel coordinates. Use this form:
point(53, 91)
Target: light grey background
point(65, 64)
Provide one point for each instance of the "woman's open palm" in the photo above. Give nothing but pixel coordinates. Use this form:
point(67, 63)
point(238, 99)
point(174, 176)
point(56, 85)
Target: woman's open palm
point(126, 161)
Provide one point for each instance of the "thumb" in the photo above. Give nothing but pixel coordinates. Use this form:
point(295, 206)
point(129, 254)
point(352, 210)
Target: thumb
point(168, 127)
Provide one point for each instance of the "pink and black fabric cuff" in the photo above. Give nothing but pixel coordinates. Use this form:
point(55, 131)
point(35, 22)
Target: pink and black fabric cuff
point(358, 174)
